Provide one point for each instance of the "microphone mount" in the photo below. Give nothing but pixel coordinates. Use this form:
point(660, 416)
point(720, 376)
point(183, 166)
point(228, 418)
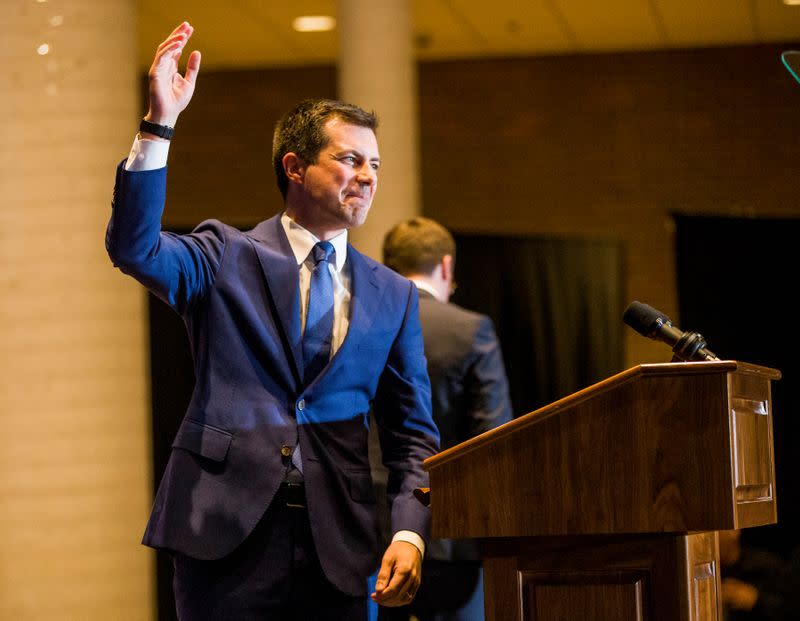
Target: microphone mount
point(686, 346)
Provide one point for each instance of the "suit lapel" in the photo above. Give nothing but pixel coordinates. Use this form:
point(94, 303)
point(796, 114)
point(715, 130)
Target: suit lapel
point(281, 274)
point(364, 299)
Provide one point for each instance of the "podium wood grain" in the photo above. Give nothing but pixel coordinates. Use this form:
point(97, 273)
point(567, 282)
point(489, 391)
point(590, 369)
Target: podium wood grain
point(604, 505)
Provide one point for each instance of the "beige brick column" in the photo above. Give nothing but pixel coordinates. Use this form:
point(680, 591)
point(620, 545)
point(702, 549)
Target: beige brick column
point(74, 432)
point(377, 71)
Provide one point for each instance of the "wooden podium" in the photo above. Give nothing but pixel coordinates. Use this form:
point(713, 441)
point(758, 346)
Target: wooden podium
point(604, 505)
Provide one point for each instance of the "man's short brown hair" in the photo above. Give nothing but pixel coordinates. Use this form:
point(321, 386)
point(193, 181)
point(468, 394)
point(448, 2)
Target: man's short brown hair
point(417, 246)
point(302, 131)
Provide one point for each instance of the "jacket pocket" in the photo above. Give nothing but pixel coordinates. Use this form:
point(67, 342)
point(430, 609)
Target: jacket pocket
point(209, 442)
point(361, 487)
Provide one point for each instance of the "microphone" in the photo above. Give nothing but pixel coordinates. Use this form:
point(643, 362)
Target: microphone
point(647, 321)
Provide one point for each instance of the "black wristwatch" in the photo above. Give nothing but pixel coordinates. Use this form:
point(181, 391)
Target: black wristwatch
point(163, 131)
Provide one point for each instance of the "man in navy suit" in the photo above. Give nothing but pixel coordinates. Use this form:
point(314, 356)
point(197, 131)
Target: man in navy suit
point(267, 504)
point(470, 396)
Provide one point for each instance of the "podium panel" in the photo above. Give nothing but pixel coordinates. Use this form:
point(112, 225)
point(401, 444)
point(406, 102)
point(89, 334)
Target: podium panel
point(596, 597)
point(605, 504)
point(597, 578)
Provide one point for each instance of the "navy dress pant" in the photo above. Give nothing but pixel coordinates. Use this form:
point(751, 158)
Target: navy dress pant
point(274, 575)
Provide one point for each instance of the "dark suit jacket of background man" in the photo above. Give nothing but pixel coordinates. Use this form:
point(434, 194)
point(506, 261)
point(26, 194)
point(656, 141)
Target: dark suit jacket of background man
point(238, 294)
point(469, 389)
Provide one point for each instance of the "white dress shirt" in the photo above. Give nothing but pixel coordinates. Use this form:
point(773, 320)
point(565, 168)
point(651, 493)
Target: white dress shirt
point(302, 241)
point(424, 286)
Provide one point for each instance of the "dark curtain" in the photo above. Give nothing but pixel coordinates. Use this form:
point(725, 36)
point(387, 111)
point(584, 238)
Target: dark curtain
point(735, 288)
point(557, 306)
point(172, 383)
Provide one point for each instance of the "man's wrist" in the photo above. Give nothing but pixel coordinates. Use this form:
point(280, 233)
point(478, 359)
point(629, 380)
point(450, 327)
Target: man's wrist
point(410, 537)
point(147, 154)
point(151, 130)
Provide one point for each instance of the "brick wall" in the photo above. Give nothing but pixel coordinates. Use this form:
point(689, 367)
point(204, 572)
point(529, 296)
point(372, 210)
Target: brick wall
point(75, 464)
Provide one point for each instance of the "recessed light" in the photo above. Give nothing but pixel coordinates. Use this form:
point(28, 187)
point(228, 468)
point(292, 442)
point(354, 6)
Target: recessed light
point(791, 2)
point(314, 23)
point(43, 49)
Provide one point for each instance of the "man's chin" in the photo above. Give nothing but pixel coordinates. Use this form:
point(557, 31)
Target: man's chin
point(356, 215)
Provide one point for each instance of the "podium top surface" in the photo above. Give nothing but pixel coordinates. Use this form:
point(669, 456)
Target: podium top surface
point(632, 374)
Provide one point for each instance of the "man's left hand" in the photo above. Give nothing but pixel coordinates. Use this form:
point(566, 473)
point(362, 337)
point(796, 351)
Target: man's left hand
point(399, 576)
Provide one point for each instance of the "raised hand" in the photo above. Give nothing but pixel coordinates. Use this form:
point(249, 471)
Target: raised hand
point(170, 92)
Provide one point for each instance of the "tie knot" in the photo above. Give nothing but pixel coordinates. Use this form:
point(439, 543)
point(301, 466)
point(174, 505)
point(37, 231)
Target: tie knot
point(322, 251)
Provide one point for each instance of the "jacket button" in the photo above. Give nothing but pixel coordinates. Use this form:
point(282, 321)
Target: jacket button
point(301, 405)
point(286, 450)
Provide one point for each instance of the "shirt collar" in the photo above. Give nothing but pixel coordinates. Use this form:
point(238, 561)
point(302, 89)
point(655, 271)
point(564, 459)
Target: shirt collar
point(421, 284)
point(302, 241)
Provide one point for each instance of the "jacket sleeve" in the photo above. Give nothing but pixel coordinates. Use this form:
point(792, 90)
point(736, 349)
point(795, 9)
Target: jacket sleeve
point(179, 269)
point(488, 402)
point(407, 432)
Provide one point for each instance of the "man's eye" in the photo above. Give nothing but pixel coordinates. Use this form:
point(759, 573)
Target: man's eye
point(350, 159)
point(375, 165)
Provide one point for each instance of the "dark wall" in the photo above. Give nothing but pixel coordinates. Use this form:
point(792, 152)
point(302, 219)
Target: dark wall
point(602, 144)
point(734, 289)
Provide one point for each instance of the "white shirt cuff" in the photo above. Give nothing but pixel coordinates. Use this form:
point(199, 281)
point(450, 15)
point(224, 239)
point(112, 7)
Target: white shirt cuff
point(147, 154)
point(412, 538)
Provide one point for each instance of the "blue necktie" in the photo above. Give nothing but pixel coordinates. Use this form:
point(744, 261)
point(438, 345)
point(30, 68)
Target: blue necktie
point(319, 319)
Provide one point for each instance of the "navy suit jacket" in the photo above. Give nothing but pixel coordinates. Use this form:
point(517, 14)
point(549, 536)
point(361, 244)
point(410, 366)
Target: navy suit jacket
point(465, 366)
point(238, 294)
point(469, 387)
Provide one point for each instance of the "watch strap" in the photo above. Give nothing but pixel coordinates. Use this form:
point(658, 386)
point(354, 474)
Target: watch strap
point(163, 131)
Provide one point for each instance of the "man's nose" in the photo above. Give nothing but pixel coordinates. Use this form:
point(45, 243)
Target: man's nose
point(367, 175)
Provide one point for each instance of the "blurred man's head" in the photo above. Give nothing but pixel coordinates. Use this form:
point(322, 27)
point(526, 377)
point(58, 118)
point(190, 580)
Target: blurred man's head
point(421, 248)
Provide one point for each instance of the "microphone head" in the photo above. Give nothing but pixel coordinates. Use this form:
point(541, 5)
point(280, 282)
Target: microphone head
point(644, 319)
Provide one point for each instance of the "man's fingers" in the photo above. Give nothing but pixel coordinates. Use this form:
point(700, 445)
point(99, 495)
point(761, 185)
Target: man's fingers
point(184, 27)
point(174, 42)
point(175, 37)
point(168, 55)
point(192, 67)
point(400, 583)
point(407, 593)
point(400, 588)
point(184, 31)
point(166, 60)
point(383, 575)
point(390, 590)
point(399, 576)
point(170, 92)
point(168, 43)
point(399, 593)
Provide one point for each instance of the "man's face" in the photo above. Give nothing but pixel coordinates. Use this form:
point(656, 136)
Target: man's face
point(341, 184)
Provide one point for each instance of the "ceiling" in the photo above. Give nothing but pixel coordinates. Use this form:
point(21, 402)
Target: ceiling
point(258, 33)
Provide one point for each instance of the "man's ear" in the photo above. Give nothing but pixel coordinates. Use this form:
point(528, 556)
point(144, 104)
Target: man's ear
point(446, 265)
point(294, 166)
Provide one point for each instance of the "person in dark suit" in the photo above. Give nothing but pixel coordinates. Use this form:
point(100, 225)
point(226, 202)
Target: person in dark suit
point(470, 396)
point(266, 504)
